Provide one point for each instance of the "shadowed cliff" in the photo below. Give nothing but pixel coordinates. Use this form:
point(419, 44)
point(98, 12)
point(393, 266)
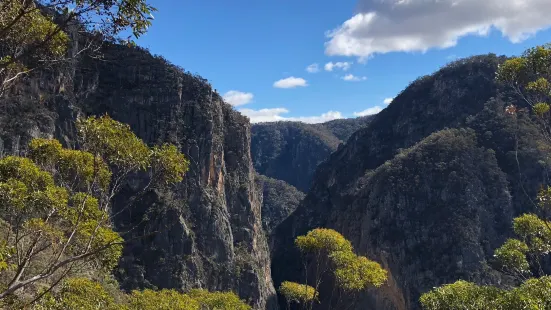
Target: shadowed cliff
point(428, 188)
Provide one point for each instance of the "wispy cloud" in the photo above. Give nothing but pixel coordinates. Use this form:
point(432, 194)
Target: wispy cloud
point(290, 82)
point(313, 68)
point(387, 101)
point(337, 65)
point(353, 78)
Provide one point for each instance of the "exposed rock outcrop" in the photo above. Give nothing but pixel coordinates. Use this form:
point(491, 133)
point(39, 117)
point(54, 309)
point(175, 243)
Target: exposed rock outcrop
point(207, 230)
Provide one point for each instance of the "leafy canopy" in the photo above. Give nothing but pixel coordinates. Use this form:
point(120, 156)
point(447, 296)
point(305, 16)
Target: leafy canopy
point(55, 205)
point(327, 250)
point(218, 300)
point(299, 293)
point(85, 294)
point(322, 240)
point(34, 34)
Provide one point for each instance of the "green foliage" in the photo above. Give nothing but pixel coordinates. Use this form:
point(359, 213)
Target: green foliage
point(45, 152)
point(356, 273)
point(512, 255)
point(114, 142)
point(121, 148)
point(105, 243)
point(86, 294)
point(55, 216)
point(84, 208)
point(32, 30)
point(6, 252)
point(78, 293)
point(322, 240)
point(24, 171)
point(544, 198)
point(535, 240)
point(461, 295)
point(162, 300)
point(34, 34)
point(534, 231)
point(532, 294)
point(218, 300)
point(331, 251)
point(75, 169)
point(540, 85)
point(169, 163)
point(529, 76)
point(538, 59)
point(512, 70)
point(541, 108)
point(299, 293)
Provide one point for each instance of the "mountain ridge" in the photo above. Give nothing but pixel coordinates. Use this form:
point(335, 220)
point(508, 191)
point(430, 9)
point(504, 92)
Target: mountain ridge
point(365, 191)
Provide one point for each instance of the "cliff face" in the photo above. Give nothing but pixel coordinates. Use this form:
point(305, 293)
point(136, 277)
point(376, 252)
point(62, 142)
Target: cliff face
point(429, 203)
point(204, 232)
point(291, 151)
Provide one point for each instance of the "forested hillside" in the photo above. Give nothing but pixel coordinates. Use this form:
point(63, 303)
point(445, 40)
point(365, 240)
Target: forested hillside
point(429, 188)
point(291, 151)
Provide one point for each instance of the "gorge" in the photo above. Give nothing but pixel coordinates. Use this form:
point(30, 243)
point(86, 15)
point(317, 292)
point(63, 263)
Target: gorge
point(428, 187)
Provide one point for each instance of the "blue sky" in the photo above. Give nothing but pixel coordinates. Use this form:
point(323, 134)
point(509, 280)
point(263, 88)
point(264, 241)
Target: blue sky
point(246, 46)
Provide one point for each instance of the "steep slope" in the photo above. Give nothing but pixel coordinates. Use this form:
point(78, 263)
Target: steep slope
point(427, 202)
point(279, 199)
point(206, 231)
point(291, 151)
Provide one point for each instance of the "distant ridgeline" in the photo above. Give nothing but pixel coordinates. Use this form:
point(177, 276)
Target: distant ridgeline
point(291, 151)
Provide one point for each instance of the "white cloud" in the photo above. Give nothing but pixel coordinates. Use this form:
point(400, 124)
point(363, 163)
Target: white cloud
point(274, 115)
point(237, 98)
point(384, 26)
point(387, 101)
point(290, 82)
point(369, 111)
point(325, 117)
point(313, 68)
point(264, 115)
point(353, 78)
point(339, 65)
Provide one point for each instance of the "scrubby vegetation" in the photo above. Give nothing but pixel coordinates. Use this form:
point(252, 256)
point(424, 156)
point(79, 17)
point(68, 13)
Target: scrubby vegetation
point(523, 257)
